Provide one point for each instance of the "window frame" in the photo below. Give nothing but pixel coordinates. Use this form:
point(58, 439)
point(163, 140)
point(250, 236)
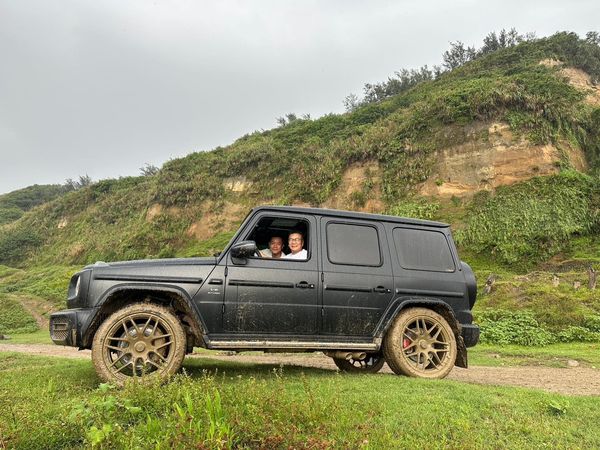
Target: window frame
point(341, 222)
point(254, 225)
point(399, 254)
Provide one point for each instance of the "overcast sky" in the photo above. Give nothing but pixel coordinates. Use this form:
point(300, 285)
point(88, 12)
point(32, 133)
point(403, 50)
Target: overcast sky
point(102, 87)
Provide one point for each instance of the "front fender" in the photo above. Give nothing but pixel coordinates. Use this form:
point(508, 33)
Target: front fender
point(121, 294)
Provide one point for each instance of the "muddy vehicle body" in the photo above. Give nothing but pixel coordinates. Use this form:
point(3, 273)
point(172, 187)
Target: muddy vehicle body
point(372, 289)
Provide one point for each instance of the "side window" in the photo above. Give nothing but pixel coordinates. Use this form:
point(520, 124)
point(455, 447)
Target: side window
point(281, 238)
point(423, 250)
point(353, 244)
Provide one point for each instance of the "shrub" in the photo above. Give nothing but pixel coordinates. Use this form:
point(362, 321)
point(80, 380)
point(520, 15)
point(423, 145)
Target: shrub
point(420, 209)
point(508, 327)
point(532, 220)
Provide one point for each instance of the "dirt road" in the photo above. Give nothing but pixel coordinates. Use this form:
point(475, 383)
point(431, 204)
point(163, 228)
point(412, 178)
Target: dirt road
point(570, 381)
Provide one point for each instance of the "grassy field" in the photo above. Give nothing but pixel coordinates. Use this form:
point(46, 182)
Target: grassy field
point(55, 403)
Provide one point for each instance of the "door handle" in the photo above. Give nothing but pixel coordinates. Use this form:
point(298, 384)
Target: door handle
point(382, 290)
point(305, 285)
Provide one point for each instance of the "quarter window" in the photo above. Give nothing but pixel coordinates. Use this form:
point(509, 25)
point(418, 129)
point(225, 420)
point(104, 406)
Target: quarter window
point(423, 250)
point(353, 244)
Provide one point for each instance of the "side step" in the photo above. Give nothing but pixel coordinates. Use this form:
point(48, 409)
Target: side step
point(304, 345)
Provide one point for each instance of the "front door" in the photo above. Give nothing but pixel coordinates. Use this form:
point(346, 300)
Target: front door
point(267, 295)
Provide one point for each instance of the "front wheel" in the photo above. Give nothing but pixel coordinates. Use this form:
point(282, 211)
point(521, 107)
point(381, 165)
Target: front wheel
point(140, 340)
point(371, 364)
point(420, 344)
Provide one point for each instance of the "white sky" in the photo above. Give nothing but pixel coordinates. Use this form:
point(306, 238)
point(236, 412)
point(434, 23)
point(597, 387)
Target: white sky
point(102, 87)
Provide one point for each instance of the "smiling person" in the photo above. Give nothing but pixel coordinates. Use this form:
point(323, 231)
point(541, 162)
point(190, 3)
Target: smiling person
point(296, 244)
point(275, 248)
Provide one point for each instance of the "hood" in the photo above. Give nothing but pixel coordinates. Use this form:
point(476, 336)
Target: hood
point(155, 262)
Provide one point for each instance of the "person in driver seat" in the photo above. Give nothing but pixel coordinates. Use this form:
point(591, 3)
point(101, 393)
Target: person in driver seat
point(275, 248)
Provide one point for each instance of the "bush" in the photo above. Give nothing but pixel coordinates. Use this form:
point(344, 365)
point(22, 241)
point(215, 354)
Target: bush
point(507, 327)
point(533, 220)
point(418, 209)
point(522, 328)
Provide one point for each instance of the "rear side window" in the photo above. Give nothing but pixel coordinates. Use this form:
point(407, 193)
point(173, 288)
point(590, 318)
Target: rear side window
point(423, 250)
point(353, 244)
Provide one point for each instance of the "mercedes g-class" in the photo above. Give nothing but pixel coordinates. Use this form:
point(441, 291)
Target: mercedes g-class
point(369, 289)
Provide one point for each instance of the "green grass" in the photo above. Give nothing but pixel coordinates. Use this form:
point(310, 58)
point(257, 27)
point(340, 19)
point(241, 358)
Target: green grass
point(52, 402)
point(47, 282)
point(14, 318)
point(36, 337)
point(555, 355)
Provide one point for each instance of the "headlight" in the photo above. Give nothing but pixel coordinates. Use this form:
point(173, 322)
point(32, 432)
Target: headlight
point(77, 286)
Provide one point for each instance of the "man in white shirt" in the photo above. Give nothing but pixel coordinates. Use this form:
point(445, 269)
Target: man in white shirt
point(296, 244)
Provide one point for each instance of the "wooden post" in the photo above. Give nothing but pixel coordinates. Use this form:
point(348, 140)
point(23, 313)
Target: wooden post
point(592, 278)
point(488, 284)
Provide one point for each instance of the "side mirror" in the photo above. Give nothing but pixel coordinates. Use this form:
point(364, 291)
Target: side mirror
point(243, 250)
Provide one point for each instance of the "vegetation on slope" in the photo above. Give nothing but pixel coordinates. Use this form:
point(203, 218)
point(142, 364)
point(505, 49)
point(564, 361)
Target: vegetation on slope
point(303, 161)
point(14, 204)
point(399, 126)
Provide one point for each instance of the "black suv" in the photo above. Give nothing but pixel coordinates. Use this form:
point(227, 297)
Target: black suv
point(367, 289)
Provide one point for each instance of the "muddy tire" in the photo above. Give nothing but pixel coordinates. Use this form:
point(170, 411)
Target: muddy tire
point(371, 364)
point(140, 340)
point(421, 344)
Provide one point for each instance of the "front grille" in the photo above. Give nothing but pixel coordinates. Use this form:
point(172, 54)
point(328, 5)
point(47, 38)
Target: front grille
point(59, 331)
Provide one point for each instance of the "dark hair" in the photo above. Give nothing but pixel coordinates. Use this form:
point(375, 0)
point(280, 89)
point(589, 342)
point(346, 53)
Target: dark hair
point(296, 232)
point(277, 236)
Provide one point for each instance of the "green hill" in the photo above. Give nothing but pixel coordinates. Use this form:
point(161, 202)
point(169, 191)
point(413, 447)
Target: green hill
point(14, 204)
point(505, 147)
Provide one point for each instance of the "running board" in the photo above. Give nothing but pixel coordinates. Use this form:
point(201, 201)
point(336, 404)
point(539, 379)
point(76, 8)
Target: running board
point(260, 344)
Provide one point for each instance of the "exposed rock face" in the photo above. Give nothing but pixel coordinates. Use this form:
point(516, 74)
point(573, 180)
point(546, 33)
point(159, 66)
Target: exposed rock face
point(582, 81)
point(215, 218)
point(501, 159)
point(237, 184)
point(361, 183)
point(154, 211)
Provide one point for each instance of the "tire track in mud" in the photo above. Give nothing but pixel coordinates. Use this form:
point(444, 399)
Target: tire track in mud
point(569, 381)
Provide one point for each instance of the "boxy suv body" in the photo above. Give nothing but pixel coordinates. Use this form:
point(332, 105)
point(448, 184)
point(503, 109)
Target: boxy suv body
point(372, 288)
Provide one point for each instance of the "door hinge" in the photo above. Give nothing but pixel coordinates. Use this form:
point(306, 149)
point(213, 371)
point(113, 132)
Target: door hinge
point(322, 277)
point(223, 308)
point(322, 312)
point(226, 270)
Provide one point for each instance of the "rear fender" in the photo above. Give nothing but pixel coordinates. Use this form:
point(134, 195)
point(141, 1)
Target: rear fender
point(435, 304)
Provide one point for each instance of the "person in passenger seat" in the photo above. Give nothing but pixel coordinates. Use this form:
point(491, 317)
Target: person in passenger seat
point(296, 244)
point(275, 248)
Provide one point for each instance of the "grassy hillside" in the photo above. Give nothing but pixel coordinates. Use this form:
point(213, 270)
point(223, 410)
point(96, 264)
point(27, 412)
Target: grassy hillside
point(14, 204)
point(192, 205)
point(228, 405)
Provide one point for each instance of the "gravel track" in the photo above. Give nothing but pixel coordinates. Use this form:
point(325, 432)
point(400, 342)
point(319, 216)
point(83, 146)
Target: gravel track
point(569, 381)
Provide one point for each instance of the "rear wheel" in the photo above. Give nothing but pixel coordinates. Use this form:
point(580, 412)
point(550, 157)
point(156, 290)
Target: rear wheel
point(140, 340)
point(420, 344)
point(371, 364)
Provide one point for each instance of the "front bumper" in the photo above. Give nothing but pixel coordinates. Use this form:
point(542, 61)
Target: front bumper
point(67, 326)
point(470, 334)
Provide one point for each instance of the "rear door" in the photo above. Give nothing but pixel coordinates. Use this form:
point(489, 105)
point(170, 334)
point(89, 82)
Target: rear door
point(357, 276)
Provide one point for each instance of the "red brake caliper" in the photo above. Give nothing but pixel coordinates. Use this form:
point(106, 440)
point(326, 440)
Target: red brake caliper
point(405, 343)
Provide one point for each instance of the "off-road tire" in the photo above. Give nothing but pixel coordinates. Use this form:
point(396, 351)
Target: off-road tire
point(371, 364)
point(139, 340)
point(420, 344)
